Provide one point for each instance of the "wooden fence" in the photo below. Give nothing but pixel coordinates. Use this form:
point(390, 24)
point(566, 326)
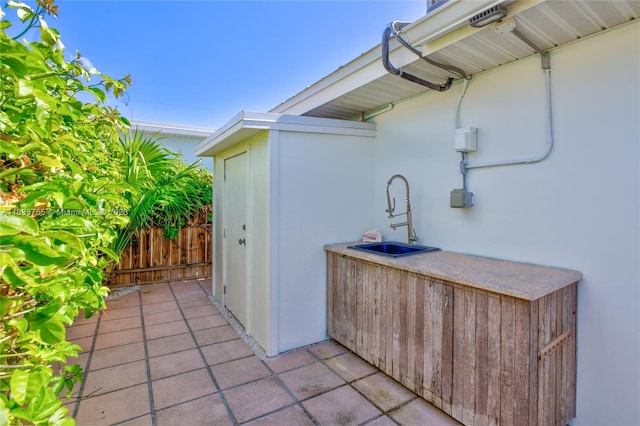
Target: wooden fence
point(153, 259)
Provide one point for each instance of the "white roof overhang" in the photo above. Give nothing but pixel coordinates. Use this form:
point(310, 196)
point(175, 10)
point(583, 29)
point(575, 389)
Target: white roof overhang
point(363, 85)
point(172, 129)
point(247, 124)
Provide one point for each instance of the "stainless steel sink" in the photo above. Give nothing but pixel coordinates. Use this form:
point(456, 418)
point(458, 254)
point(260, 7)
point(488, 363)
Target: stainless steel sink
point(393, 249)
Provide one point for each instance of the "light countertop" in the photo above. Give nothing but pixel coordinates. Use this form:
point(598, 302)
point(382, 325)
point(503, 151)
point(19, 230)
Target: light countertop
point(521, 280)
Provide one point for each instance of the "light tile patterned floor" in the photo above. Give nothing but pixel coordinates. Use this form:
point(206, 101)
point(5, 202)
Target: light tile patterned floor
point(165, 355)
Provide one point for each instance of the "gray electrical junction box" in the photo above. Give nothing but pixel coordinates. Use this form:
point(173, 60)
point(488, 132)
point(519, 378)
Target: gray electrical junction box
point(461, 199)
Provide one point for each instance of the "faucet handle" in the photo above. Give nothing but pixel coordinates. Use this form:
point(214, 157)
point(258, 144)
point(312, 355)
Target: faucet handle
point(391, 208)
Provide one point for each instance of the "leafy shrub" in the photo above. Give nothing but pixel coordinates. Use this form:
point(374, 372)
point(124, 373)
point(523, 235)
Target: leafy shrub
point(71, 195)
point(61, 204)
point(164, 192)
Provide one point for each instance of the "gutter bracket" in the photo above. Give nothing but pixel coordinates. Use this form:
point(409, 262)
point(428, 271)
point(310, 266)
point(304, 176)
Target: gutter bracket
point(546, 65)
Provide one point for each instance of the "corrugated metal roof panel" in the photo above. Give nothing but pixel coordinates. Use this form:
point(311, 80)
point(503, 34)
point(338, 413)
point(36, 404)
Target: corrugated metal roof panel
point(549, 24)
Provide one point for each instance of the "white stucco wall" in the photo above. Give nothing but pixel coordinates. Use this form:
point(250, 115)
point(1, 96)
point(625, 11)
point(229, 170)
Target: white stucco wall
point(578, 209)
point(218, 227)
point(177, 138)
point(187, 146)
point(324, 196)
point(305, 190)
point(258, 239)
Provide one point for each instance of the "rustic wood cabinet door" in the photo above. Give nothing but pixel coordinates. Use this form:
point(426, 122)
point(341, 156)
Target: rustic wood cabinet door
point(371, 332)
point(342, 295)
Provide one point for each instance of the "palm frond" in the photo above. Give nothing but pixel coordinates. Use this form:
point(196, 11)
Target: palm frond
point(163, 191)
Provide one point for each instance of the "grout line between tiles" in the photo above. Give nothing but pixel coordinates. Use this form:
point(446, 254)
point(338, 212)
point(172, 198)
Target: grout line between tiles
point(173, 352)
point(385, 413)
point(96, 394)
point(286, 388)
point(147, 364)
point(87, 366)
point(317, 360)
point(381, 416)
point(399, 406)
point(199, 282)
point(239, 329)
point(221, 341)
point(141, 416)
point(204, 359)
point(107, 318)
point(118, 364)
point(203, 302)
point(187, 401)
point(262, 416)
point(224, 362)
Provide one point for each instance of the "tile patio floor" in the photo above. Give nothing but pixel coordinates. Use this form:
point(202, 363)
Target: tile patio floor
point(165, 355)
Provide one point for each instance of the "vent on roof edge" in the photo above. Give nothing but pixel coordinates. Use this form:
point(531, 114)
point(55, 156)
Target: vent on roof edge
point(434, 4)
point(492, 14)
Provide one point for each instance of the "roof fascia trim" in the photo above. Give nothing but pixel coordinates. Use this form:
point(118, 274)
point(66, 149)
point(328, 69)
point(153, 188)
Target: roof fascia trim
point(172, 129)
point(433, 32)
point(246, 124)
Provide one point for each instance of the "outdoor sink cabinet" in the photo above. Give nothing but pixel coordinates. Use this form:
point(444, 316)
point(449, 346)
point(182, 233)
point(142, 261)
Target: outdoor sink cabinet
point(487, 341)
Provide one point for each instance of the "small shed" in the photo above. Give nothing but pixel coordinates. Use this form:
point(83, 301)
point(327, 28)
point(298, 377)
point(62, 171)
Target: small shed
point(284, 186)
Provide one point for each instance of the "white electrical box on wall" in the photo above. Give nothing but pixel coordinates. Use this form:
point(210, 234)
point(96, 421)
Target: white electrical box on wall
point(466, 140)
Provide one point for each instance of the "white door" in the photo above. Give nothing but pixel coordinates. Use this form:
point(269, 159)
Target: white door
point(235, 263)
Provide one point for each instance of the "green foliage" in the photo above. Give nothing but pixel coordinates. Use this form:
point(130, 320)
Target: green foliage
point(164, 192)
point(71, 195)
point(61, 204)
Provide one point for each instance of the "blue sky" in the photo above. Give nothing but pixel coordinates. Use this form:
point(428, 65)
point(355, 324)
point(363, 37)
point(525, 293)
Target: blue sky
point(200, 62)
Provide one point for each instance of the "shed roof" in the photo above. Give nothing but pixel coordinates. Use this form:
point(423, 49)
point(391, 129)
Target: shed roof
point(246, 124)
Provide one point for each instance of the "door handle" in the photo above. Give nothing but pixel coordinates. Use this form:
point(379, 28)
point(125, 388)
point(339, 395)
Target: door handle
point(242, 241)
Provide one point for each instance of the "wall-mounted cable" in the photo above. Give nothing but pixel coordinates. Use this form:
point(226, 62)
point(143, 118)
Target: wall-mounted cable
point(386, 62)
point(397, 26)
point(510, 27)
point(462, 197)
